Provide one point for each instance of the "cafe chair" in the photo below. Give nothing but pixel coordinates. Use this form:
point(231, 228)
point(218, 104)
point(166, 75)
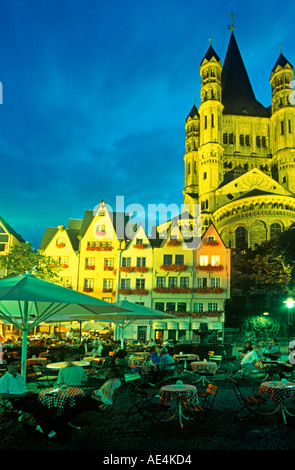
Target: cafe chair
point(42, 378)
point(249, 404)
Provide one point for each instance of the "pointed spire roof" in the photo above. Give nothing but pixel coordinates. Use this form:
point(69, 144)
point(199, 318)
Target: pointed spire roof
point(237, 93)
point(193, 113)
point(282, 62)
point(210, 54)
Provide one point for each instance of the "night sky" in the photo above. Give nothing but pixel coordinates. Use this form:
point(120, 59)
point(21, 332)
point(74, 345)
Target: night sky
point(95, 96)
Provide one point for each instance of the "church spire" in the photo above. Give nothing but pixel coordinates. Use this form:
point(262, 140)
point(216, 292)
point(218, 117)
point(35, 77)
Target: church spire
point(237, 93)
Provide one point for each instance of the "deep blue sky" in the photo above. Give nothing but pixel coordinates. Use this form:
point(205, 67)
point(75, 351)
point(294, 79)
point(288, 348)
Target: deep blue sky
point(95, 96)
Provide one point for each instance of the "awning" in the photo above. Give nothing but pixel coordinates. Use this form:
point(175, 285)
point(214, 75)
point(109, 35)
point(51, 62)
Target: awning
point(183, 325)
point(172, 325)
point(159, 325)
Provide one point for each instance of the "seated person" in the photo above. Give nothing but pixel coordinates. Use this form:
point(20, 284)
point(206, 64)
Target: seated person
point(247, 348)
point(252, 360)
point(122, 364)
point(274, 350)
point(72, 374)
point(166, 360)
point(288, 366)
point(155, 355)
point(13, 388)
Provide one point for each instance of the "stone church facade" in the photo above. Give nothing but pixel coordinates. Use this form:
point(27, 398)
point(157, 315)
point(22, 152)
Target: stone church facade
point(239, 155)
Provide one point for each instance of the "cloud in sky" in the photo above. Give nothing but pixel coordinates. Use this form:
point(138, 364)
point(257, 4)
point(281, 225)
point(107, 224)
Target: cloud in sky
point(95, 96)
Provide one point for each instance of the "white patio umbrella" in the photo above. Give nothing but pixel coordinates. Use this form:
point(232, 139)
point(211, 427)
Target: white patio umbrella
point(132, 313)
point(26, 301)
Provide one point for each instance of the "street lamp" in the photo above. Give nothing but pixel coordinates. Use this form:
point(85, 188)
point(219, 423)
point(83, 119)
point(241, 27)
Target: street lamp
point(290, 304)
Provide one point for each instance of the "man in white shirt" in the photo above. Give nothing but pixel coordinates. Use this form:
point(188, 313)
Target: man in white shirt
point(13, 388)
point(72, 374)
point(251, 358)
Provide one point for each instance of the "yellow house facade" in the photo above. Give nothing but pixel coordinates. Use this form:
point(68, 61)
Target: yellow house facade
point(8, 239)
point(239, 155)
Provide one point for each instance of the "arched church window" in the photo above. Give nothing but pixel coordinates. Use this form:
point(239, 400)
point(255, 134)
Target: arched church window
point(241, 238)
point(275, 229)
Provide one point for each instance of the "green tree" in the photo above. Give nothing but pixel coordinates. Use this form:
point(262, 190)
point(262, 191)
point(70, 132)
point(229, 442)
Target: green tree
point(23, 258)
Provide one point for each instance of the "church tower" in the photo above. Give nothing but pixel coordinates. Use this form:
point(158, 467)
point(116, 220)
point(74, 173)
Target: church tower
point(239, 154)
point(283, 122)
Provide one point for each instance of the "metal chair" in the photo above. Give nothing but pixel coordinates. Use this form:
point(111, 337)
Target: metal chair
point(251, 404)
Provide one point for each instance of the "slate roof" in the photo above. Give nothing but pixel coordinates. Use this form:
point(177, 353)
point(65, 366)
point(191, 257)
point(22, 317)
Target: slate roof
point(282, 61)
point(237, 94)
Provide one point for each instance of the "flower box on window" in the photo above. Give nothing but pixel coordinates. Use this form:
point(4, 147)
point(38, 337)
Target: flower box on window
point(130, 269)
point(210, 242)
point(172, 290)
point(65, 266)
point(209, 268)
point(90, 267)
point(174, 242)
point(209, 290)
point(88, 289)
point(108, 268)
point(107, 289)
point(125, 291)
point(60, 245)
point(174, 267)
point(140, 292)
point(139, 246)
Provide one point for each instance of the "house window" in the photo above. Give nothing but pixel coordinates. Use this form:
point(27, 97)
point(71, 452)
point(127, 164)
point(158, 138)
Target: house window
point(215, 282)
point(167, 259)
point(205, 175)
point(109, 262)
point(89, 261)
point(140, 283)
point(179, 259)
point(181, 306)
point(198, 307)
point(140, 261)
point(88, 285)
point(204, 259)
point(282, 127)
point(60, 242)
point(108, 284)
point(212, 307)
point(107, 299)
point(64, 260)
point(161, 281)
point(139, 241)
point(215, 260)
point(125, 283)
point(126, 261)
point(172, 281)
point(201, 282)
point(160, 306)
point(67, 281)
point(240, 235)
point(184, 282)
point(170, 306)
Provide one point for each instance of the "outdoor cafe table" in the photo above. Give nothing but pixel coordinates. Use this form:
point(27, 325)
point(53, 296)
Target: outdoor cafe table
point(185, 358)
point(54, 397)
point(36, 360)
point(60, 365)
point(203, 366)
point(145, 369)
point(279, 392)
point(183, 394)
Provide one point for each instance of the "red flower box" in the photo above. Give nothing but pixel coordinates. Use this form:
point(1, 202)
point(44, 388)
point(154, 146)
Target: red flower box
point(209, 268)
point(139, 246)
point(90, 267)
point(174, 267)
point(88, 289)
point(60, 245)
point(174, 242)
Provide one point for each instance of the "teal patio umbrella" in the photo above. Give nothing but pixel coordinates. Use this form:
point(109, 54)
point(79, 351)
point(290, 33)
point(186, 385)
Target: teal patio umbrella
point(26, 301)
point(129, 313)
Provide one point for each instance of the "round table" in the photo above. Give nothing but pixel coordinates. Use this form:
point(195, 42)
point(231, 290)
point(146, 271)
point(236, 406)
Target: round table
point(279, 392)
point(54, 397)
point(185, 358)
point(183, 394)
point(204, 366)
point(60, 365)
point(145, 369)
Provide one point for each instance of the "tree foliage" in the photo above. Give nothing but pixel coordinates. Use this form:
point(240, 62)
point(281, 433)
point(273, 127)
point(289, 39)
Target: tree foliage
point(23, 258)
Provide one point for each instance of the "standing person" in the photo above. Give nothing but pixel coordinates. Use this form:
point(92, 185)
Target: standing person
point(274, 349)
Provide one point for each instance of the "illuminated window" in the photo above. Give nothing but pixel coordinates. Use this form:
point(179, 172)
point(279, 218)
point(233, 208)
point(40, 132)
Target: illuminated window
point(215, 260)
point(204, 260)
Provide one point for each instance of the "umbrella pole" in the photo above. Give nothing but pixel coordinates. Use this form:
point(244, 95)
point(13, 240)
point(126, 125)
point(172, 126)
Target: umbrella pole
point(24, 354)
